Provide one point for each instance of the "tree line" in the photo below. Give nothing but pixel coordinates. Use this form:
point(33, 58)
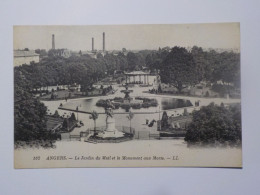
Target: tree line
point(182, 68)
point(83, 69)
point(178, 66)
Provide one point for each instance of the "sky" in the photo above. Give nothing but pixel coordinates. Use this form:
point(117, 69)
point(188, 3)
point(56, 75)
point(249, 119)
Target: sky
point(131, 37)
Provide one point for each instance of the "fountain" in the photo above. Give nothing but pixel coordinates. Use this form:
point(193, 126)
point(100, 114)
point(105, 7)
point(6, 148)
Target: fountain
point(127, 102)
point(127, 92)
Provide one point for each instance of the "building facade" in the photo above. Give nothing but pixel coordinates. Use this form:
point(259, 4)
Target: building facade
point(140, 77)
point(25, 57)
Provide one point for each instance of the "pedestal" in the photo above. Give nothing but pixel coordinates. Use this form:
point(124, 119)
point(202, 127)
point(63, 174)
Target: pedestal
point(111, 130)
point(110, 124)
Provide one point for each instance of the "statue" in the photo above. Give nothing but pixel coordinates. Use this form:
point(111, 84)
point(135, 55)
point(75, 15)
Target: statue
point(109, 108)
point(110, 130)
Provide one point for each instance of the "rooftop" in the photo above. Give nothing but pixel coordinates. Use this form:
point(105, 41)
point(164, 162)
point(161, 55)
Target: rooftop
point(137, 73)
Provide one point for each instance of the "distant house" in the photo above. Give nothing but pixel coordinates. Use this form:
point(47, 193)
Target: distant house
point(74, 87)
point(92, 54)
point(25, 57)
point(65, 53)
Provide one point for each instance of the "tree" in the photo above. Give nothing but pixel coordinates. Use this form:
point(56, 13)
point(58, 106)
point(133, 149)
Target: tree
point(153, 61)
point(164, 123)
point(185, 112)
point(99, 56)
point(111, 63)
point(65, 124)
point(122, 61)
point(199, 59)
point(135, 61)
point(52, 96)
point(130, 116)
point(94, 117)
point(29, 113)
point(215, 123)
point(56, 114)
point(29, 120)
point(226, 67)
point(73, 117)
point(179, 69)
point(160, 89)
point(42, 52)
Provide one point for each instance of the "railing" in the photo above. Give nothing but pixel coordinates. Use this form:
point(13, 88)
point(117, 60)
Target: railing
point(77, 137)
point(146, 135)
point(123, 129)
point(140, 135)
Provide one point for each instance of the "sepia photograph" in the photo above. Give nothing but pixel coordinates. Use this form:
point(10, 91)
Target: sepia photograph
point(146, 95)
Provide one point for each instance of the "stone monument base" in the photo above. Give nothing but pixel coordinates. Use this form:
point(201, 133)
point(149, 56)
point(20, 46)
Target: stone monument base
point(111, 134)
point(111, 131)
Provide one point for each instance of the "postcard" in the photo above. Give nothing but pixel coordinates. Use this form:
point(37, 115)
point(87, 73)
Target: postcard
point(150, 95)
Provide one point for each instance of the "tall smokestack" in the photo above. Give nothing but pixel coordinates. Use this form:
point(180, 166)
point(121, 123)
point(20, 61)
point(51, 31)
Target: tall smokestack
point(104, 42)
point(92, 44)
point(53, 41)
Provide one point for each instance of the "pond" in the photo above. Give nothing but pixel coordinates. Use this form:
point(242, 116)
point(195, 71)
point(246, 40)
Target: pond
point(88, 105)
point(173, 106)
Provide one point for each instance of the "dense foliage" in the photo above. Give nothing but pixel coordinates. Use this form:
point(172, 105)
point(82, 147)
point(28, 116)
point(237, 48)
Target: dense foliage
point(179, 69)
point(29, 113)
point(182, 68)
point(29, 117)
point(215, 123)
point(84, 70)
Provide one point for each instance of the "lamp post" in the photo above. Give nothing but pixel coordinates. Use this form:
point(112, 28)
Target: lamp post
point(159, 113)
point(77, 109)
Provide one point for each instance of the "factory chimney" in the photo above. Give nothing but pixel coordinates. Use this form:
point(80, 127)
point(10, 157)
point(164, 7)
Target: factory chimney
point(104, 42)
point(53, 41)
point(92, 44)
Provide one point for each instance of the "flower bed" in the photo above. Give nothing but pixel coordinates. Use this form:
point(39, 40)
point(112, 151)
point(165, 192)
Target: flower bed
point(119, 102)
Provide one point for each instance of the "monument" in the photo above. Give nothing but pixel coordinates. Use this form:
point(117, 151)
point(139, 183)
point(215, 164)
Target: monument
point(110, 131)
